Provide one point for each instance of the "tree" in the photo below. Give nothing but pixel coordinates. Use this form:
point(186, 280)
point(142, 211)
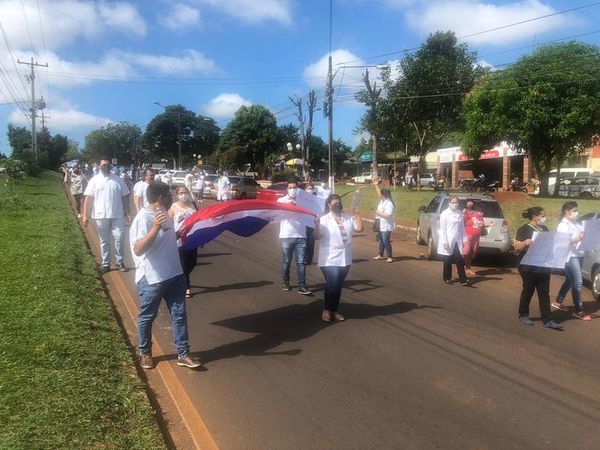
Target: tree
point(424, 104)
point(199, 135)
point(121, 140)
point(547, 104)
point(72, 151)
point(288, 133)
point(19, 139)
point(253, 129)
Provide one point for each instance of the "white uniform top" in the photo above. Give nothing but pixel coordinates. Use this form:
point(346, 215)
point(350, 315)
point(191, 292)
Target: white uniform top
point(223, 188)
point(386, 207)
point(452, 231)
point(200, 182)
point(565, 226)
point(290, 228)
point(333, 250)
point(188, 181)
point(161, 261)
point(139, 190)
point(107, 196)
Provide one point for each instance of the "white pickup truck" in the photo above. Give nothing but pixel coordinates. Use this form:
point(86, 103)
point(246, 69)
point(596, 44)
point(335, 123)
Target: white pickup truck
point(365, 177)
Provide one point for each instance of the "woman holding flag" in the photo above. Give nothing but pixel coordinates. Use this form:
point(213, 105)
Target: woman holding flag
point(334, 233)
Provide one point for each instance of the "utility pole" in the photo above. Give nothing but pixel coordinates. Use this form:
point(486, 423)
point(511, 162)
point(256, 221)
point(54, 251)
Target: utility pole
point(33, 103)
point(372, 95)
point(329, 111)
point(44, 117)
point(312, 105)
point(297, 101)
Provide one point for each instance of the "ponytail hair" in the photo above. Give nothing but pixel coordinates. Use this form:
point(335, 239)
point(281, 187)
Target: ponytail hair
point(530, 213)
point(568, 206)
point(387, 195)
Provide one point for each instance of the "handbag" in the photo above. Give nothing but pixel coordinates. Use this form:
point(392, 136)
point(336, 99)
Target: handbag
point(376, 226)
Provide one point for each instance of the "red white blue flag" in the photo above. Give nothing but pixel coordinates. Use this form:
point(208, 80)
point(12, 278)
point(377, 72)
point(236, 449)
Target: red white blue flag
point(242, 217)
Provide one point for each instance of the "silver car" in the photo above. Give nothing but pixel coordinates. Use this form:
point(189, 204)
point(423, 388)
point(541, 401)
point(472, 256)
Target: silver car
point(590, 269)
point(497, 239)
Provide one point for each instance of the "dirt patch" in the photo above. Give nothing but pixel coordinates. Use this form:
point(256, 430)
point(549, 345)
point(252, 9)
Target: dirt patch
point(509, 196)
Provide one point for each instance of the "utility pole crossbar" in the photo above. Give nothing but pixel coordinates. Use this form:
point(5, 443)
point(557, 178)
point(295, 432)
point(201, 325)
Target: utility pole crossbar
point(31, 77)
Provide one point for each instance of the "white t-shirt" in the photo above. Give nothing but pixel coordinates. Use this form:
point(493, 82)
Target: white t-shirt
point(107, 196)
point(139, 190)
point(189, 181)
point(223, 188)
point(386, 207)
point(290, 228)
point(573, 229)
point(161, 261)
point(335, 248)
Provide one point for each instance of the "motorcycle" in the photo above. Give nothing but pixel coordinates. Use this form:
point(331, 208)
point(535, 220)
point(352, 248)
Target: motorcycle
point(518, 187)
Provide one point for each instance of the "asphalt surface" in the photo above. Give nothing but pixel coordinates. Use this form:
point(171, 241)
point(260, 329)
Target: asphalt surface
point(417, 363)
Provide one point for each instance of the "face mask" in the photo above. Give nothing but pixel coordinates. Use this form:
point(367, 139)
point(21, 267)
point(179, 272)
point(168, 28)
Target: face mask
point(337, 207)
point(542, 220)
point(105, 168)
point(292, 192)
point(453, 206)
point(574, 215)
point(184, 197)
point(310, 191)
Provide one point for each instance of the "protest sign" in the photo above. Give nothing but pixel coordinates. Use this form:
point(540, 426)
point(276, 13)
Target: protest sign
point(591, 237)
point(550, 249)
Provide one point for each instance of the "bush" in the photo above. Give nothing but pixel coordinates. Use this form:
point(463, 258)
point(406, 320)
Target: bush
point(286, 175)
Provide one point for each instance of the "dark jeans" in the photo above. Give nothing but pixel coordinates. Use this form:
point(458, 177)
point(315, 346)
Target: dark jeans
point(454, 258)
point(532, 280)
point(188, 262)
point(310, 246)
point(291, 246)
point(385, 243)
point(573, 281)
point(78, 198)
point(334, 279)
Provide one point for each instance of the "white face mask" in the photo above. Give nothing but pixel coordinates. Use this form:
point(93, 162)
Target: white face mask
point(184, 197)
point(574, 215)
point(453, 206)
point(292, 192)
point(310, 191)
point(542, 220)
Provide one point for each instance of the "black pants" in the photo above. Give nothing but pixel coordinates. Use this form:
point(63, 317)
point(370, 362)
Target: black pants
point(78, 198)
point(533, 280)
point(334, 280)
point(454, 258)
point(188, 262)
point(310, 246)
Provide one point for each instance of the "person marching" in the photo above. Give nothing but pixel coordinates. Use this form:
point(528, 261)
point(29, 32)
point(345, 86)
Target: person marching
point(77, 188)
point(158, 275)
point(139, 189)
point(223, 187)
point(573, 279)
point(334, 233)
point(534, 277)
point(474, 227)
point(385, 214)
point(450, 242)
point(310, 240)
point(179, 211)
point(292, 235)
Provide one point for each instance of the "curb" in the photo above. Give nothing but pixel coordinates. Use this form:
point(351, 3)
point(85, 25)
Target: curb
point(398, 227)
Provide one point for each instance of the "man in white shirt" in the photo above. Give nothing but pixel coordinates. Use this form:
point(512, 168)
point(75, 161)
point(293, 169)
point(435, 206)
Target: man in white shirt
point(158, 275)
point(188, 181)
point(292, 235)
point(223, 187)
point(200, 185)
point(108, 197)
point(139, 189)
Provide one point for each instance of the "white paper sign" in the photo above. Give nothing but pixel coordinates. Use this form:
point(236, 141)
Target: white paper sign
point(322, 192)
point(311, 202)
point(549, 249)
point(591, 238)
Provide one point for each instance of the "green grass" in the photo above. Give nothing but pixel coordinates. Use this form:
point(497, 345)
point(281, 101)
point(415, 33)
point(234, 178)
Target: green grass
point(408, 203)
point(67, 379)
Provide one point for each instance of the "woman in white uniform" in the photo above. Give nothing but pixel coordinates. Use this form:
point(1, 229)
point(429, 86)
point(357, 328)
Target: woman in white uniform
point(450, 241)
point(179, 211)
point(334, 233)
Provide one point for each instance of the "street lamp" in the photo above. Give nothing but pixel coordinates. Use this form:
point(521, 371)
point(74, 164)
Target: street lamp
point(178, 130)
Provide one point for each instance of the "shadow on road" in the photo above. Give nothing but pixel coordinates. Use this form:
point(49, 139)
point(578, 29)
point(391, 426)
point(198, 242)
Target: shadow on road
point(352, 285)
point(212, 255)
point(227, 287)
point(291, 323)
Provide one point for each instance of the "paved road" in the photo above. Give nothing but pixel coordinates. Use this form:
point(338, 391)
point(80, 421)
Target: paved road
point(418, 364)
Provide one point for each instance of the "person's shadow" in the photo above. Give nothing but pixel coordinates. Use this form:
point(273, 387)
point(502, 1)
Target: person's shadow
point(291, 323)
point(229, 286)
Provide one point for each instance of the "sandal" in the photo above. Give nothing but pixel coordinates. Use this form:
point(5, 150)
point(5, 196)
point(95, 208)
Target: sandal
point(326, 316)
point(377, 258)
point(337, 316)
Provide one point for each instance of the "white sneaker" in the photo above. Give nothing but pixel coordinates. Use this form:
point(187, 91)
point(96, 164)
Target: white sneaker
point(79, 216)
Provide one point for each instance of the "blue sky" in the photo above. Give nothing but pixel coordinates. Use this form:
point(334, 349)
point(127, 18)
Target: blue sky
point(109, 60)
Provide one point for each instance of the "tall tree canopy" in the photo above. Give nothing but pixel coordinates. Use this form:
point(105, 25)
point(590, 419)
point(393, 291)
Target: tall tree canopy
point(547, 103)
point(115, 140)
point(199, 135)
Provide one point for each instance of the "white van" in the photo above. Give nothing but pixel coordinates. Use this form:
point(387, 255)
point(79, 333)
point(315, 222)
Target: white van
point(567, 172)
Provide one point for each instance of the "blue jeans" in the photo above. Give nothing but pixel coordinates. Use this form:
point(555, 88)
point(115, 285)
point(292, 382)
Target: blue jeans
point(573, 281)
point(298, 246)
point(105, 228)
point(334, 279)
point(385, 243)
point(173, 291)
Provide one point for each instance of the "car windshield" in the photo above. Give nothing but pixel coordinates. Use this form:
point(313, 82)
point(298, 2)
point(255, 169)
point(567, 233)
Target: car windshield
point(489, 208)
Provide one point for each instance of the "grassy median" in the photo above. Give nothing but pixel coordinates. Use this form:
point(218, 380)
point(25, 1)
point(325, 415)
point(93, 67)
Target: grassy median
point(513, 204)
point(67, 379)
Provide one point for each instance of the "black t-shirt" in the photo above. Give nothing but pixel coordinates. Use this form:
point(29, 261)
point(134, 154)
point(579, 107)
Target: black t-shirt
point(524, 233)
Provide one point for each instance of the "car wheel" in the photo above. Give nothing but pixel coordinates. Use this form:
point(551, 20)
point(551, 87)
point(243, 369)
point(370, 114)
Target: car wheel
point(596, 283)
point(586, 195)
point(419, 239)
point(431, 252)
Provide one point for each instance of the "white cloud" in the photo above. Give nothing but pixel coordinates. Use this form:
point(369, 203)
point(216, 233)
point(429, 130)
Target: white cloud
point(189, 62)
point(225, 105)
point(66, 21)
point(64, 119)
point(315, 74)
point(466, 17)
point(180, 17)
point(255, 11)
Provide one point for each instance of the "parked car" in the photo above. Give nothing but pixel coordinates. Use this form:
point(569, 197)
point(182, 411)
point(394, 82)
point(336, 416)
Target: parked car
point(583, 187)
point(276, 190)
point(178, 178)
point(210, 186)
point(590, 268)
point(497, 239)
point(365, 177)
point(243, 187)
point(427, 179)
point(567, 172)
